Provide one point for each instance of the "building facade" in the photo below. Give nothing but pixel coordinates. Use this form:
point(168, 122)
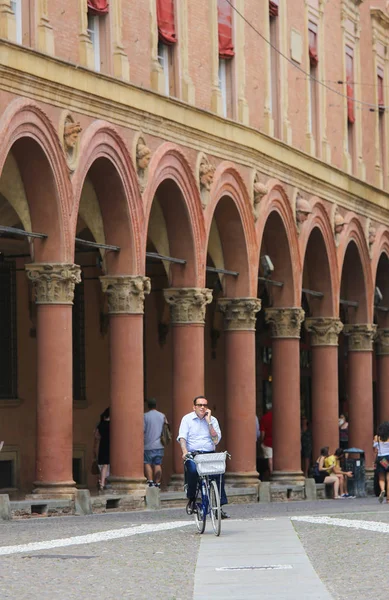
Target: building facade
point(193, 199)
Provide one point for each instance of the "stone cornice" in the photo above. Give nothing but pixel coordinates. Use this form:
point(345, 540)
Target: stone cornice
point(125, 293)
point(285, 322)
point(382, 341)
point(53, 282)
point(49, 80)
point(187, 305)
point(239, 313)
point(324, 330)
point(360, 337)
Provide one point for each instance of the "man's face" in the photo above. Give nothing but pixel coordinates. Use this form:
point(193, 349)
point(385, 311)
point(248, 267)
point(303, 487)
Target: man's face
point(200, 407)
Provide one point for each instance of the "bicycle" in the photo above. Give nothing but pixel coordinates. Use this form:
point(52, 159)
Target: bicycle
point(208, 493)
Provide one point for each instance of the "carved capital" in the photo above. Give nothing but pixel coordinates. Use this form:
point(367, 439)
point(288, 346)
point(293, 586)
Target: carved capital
point(285, 322)
point(187, 305)
point(324, 330)
point(382, 341)
point(239, 313)
point(125, 293)
point(361, 336)
point(53, 282)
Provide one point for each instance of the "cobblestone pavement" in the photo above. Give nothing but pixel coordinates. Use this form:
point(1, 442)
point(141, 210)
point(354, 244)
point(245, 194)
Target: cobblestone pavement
point(161, 565)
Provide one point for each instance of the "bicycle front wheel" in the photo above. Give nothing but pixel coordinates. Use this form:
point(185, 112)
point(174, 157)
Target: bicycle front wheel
point(200, 516)
point(215, 508)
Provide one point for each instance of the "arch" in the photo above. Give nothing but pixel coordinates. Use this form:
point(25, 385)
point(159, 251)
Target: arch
point(243, 256)
point(379, 247)
point(169, 164)
point(101, 144)
point(23, 121)
point(276, 202)
point(354, 233)
point(319, 220)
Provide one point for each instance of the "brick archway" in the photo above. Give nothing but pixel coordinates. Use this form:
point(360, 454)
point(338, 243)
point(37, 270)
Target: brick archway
point(28, 132)
point(104, 156)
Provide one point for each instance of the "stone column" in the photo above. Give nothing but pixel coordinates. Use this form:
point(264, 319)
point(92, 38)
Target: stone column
point(239, 326)
point(382, 354)
point(325, 398)
point(187, 316)
point(126, 294)
point(54, 291)
point(360, 387)
point(286, 324)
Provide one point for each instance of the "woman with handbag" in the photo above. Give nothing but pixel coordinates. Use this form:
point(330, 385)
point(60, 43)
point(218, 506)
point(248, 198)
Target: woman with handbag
point(381, 447)
point(102, 440)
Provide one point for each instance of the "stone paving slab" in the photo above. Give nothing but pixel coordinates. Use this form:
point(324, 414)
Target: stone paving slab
point(260, 543)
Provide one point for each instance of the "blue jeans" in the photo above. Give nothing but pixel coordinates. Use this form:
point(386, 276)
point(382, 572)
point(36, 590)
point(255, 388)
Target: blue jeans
point(191, 478)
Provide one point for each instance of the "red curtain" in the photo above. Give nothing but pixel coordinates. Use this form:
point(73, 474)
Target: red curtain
point(313, 57)
point(273, 8)
point(166, 24)
point(98, 7)
point(224, 15)
point(350, 101)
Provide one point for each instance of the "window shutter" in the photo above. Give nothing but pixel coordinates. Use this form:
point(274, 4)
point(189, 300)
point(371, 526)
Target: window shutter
point(312, 36)
point(224, 15)
point(273, 8)
point(380, 89)
point(98, 7)
point(166, 24)
point(350, 84)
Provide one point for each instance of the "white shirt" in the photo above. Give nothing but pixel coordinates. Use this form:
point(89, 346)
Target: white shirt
point(195, 432)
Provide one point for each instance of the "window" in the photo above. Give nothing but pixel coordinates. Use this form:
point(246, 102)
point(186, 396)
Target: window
point(381, 119)
point(226, 55)
point(8, 337)
point(16, 7)
point(167, 41)
point(274, 67)
point(350, 105)
point(313, 83)
point(94, 34)
point(9, 468)
point(79, 383)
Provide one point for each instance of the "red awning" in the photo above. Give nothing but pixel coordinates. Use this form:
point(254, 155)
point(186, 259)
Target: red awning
point(166, 24)
point(98, 7)
point(350, 102)
point(224, 14)
point(273, 8)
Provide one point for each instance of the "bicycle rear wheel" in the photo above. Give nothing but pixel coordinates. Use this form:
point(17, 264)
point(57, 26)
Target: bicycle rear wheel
point(215, 508)
point(200, 515)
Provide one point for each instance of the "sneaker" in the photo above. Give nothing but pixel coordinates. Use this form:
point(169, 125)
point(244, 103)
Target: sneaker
point(345, 495)
point(381, 497)
point(157, 485)
point(224, 515)
point(150, 483)
point(191, 506)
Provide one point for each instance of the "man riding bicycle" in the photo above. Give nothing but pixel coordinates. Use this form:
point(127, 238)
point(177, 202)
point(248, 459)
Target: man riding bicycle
point(199, 433)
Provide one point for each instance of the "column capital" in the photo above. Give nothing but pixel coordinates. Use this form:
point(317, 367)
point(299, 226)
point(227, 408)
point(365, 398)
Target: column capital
point(125, 293)
point(324, 330)
point(285, 322)
point(53, 282)
point(382, 341)
point(187, 305)
point(239, 313)
point(361, 336)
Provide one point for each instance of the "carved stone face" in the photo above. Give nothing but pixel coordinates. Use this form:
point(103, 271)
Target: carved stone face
point(301, 216)
point(143, 162)
point(71, 133)
point(339, 223)
point(143, 156)
point(206, 180)
point(303, 210)
point(372, 235)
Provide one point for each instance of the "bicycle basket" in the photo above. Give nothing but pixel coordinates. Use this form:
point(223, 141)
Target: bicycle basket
point(211, 464)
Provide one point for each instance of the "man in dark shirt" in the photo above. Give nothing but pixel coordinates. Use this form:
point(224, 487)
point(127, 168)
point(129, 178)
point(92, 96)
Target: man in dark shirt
point(266, 428)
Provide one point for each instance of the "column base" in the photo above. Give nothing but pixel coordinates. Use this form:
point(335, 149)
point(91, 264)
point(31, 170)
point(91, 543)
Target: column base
point(64, 490)
point(176, 483)
point(127, 485)
point(288, 477)
point(242, 479)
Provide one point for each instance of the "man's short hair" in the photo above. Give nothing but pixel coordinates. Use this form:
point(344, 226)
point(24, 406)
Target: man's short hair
point(198, 398)
point(151, 402)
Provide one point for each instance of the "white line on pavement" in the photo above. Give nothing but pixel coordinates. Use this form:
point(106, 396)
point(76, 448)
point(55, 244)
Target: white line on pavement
point(92, 538)
point(350, 523)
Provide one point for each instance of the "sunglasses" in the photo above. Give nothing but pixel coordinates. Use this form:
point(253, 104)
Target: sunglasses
point(202, 405)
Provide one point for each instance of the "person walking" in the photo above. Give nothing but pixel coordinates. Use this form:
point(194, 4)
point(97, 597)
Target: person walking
point(381, 447)
point(153, 447)
point(102, 447)
point(199, 433)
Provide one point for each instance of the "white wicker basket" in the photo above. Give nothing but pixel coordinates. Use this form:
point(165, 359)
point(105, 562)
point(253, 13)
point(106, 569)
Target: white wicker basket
point(211, 464)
